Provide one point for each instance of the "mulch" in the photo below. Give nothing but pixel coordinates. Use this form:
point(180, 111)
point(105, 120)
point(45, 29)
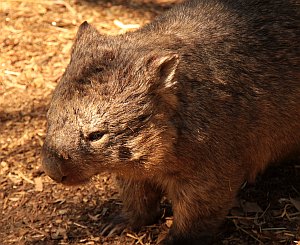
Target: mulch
point(35, 40)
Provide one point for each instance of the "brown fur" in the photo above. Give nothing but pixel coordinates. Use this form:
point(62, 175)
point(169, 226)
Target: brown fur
point(190, 106)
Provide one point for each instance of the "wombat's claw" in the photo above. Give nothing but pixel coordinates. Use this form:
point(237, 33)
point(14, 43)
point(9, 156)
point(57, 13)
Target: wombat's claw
point(115, 227)
point(108, 228)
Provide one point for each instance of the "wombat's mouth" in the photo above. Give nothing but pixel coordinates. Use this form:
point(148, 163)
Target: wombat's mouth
point(70, 180)
point(63, 171)
point(63, 179)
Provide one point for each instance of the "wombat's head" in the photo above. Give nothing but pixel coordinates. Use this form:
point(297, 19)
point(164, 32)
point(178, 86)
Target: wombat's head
point(112, 110)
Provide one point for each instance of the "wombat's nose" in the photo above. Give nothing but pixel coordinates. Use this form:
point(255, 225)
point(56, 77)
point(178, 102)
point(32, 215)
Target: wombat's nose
point(53, 171)
point(51, 164)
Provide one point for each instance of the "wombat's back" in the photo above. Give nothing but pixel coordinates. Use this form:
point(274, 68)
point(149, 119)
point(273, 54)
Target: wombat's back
point(239, 76)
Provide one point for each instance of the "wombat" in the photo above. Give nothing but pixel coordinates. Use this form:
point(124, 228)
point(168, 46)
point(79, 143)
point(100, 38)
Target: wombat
point(189, 106)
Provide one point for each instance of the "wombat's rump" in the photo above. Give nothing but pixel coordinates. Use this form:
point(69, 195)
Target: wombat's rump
point(189, 106)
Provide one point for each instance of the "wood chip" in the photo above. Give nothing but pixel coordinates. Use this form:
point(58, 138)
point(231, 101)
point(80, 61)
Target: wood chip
point(38, 184)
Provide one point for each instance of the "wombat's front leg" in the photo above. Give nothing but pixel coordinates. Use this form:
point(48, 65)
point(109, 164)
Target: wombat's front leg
point(199, 209)
point(141, 202)
point(141, 206)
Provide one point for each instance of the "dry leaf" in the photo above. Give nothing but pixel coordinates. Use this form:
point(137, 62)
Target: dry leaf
point(169, 223)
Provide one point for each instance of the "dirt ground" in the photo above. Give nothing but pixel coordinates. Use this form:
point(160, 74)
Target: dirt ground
point(35, 40)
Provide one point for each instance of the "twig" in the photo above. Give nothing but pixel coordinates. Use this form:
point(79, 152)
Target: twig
point(79, 225)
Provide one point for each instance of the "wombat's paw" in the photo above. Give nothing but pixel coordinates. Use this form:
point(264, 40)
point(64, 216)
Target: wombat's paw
point(114, 227)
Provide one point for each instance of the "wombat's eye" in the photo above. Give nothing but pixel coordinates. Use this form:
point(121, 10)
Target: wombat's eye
point(97, 135)
point(143, 118)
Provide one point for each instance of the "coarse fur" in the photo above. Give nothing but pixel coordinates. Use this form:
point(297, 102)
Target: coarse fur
point(189, 106)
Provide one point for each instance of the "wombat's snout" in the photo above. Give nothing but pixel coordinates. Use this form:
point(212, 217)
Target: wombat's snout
point(51, 163)
point(61, 167)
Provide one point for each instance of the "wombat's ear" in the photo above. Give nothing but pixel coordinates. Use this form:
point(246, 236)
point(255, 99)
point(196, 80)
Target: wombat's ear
point(164, 68)
point(164, 80)
point(83, 28)
point(85, 32)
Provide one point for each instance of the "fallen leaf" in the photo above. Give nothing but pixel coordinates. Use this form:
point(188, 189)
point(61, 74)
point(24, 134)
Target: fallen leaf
point(169, 223)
